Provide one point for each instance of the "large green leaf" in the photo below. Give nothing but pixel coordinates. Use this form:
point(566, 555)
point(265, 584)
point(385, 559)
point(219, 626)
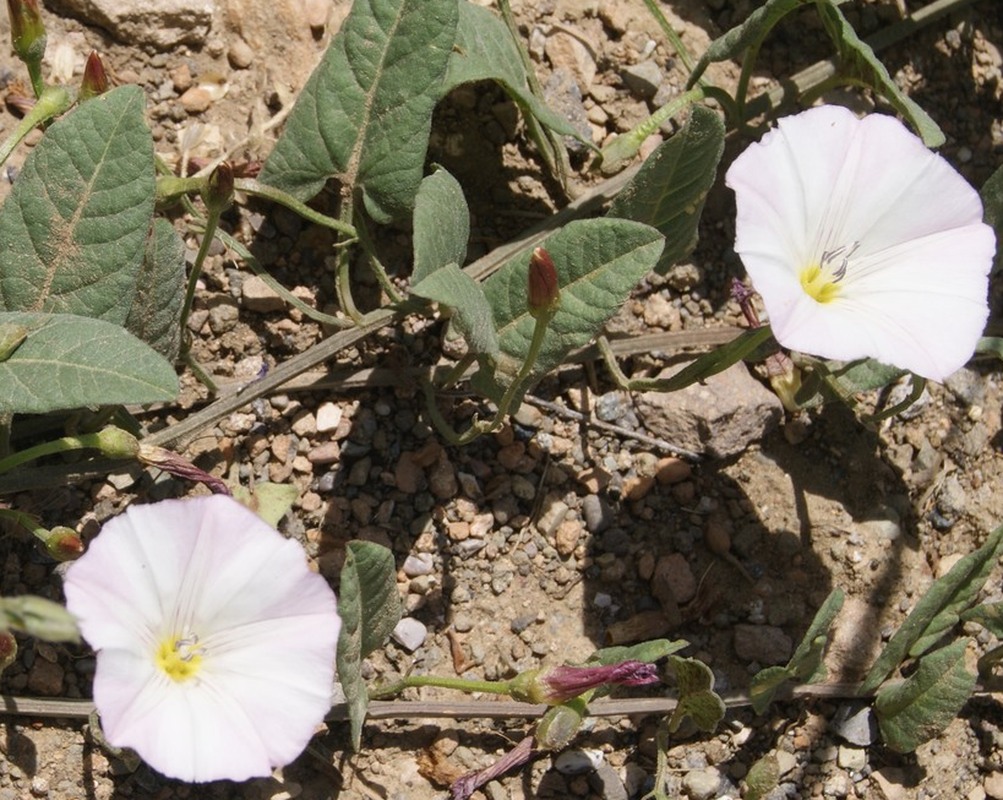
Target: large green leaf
point(453, 287)
point(937, 611)
point(920, 707)
point(155, 316)
point(441, 225)
point(73, 231)
point(598, 262)
point(370, 608)
point(485, 51)
point(68, 361)
point(669, 191)
point(857, 60)
point(366, 111)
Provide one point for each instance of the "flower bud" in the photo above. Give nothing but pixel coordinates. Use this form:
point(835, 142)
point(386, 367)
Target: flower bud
point(8, 649)
point(179, 467)
point(63, 544)
point(218, 193)
point(38, 617)
point(95, 79)
point(560, 684)
point(544, 289)
point(27, 31)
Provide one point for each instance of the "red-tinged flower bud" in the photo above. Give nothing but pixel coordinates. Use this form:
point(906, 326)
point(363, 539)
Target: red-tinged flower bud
point(544, 289)
point(218, 194)
point(560, 684)
point(27, 31)
point(179, 467)
point(95, 79)
point(8, 649)
point(465, 786)
point(64, 544)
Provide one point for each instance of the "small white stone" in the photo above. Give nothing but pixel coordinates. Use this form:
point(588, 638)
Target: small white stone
point(578, 762)
point(328, 417)
point(420, 564)
point(410, 634)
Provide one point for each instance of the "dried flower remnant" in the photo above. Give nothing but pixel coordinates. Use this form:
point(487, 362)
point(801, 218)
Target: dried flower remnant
point(215, 642)
point(560, 684)
point(862, 242)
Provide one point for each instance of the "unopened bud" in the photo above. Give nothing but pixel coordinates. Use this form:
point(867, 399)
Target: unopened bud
point(95, 79)
point(38, 617)
point(218, 194)
point(560, 684)
point(785, 379)
point(544, 289)
point(27, 31)
point(171, 462)
point(64, 544)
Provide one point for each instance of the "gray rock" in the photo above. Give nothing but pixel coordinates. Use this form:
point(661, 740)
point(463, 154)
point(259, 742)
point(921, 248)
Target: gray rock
point(643, 79)
point(578, 762)
point(164, 24)
point(607, 784)
point(410, 633)
point(563, 94)
point(722, 416)
point(598, 514)
point(763, 643)
point(702, 784)
point(420, 564)
point(855, 723)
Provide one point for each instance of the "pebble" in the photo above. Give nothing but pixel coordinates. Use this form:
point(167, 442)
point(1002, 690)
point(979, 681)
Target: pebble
point(786, 762)
point(410, 633)
point(407, 474)
point(45, 678)
point(993, 785)
point(578, 761)
point(328, 417)
point(852, 758)
point(418, 564)
point(324, 453)
point(702, 784)
point(643, 79)
point(240, 54)
point(598, 514)
point(196, 100)
point(606, 783)
point(181, 77)
point(856, 724)
point(672, 470)
point(673, 574)
point(636, 487)
point(223, 318)
point(567, 536)
point(256, 295)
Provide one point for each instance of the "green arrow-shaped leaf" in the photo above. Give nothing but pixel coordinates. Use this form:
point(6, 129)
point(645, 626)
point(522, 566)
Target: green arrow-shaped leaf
point(68, 361)
point(453, 287)
point(73, 231)
point(668, 192)
point(370, 608)
point(441, 225)
point(598, 262)
point(921, 707)
point(366, 111)
point(155, 315)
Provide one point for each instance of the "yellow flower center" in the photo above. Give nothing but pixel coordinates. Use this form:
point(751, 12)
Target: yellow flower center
point(180, 657)
point(821, 281)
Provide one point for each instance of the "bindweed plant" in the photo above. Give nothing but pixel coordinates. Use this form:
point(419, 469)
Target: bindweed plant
point(869, 252)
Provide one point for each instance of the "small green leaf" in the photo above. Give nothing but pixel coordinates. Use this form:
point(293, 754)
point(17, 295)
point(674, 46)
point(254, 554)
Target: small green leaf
point(73, 231)
point(366, 111)
point(485, 51)
point(764, 686)
point(598, 262)
point(441, 225)
point(806, 663)
point(857, 60)
point(937, 611)
point(762, 778)
point(155, 316)
point(990, 345)
point(648, 652)
point(69, 361)
point(270, 501)
point(750, 33)
point(669, 191)
point(697, 698)
point(370, 608)
point(921, 707)
point(989, 616)
point(453, 287)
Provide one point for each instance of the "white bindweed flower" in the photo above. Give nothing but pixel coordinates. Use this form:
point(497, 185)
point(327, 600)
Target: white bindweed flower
point(862, 242)
point(215, 642)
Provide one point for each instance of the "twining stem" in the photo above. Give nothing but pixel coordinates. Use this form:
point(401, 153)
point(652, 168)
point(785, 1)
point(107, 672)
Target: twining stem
point(254, 187)
point(52, 102)
point(96, 441)
point(211, 222)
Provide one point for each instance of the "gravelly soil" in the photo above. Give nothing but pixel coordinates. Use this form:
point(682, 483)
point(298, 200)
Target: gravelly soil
point(549, 539)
